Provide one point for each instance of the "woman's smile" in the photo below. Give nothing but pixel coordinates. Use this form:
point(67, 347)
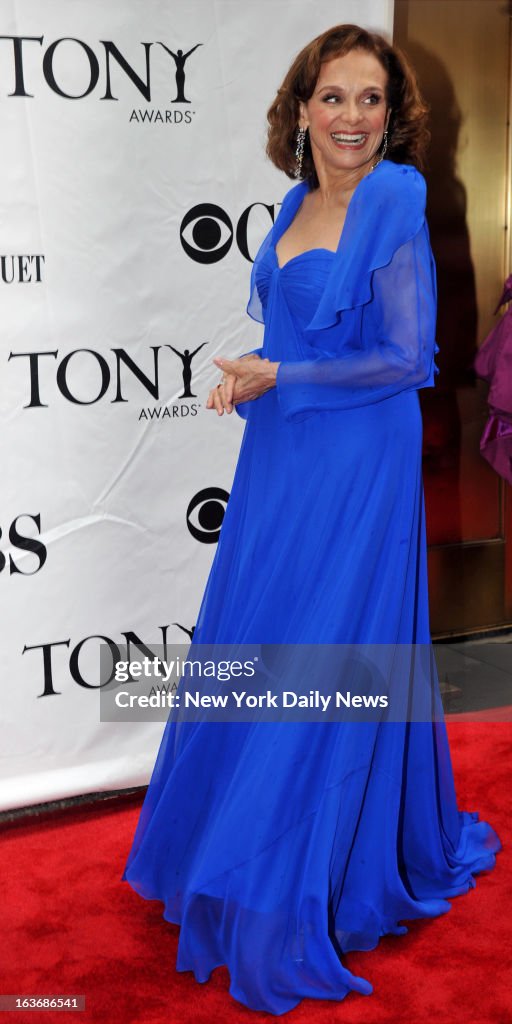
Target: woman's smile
point(346, 140)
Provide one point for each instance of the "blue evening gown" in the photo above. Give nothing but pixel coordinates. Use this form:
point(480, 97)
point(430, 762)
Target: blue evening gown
point(279, 846)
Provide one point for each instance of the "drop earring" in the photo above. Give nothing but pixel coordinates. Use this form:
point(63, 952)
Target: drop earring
point(299, 151)
point(383, 152)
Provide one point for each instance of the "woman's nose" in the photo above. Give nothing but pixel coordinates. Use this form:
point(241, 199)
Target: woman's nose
point(351, 113)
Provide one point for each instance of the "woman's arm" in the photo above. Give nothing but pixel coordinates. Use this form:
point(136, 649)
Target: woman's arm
point(399, 357)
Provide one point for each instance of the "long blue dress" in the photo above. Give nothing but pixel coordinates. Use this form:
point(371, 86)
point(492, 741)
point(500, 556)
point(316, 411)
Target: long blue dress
point(279, 846)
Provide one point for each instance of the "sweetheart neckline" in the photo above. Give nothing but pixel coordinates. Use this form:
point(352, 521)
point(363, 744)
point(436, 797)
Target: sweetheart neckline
point(299, 256)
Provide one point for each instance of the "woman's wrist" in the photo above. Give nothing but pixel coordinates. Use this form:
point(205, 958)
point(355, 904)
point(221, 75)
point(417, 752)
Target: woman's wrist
point(275, 367)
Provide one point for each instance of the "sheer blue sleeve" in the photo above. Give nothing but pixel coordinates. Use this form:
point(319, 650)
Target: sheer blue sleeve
point(396, 342)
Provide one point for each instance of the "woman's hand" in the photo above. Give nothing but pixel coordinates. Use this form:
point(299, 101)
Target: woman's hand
point(244, 380)
point(221, 396)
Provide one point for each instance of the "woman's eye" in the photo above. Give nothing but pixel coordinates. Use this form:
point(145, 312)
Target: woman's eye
point(372, 99)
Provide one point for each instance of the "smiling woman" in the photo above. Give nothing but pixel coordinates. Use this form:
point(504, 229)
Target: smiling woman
point(257, 835)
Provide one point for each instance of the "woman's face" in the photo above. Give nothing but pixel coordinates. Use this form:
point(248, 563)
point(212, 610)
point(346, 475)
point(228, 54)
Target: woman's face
point(347, 113)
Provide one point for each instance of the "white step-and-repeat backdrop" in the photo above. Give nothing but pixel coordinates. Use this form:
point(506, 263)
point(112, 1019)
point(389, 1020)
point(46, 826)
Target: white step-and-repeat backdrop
point(134, 191)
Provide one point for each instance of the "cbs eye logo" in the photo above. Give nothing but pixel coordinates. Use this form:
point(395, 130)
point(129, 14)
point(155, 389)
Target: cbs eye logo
point(207, 231)
point(205, 514)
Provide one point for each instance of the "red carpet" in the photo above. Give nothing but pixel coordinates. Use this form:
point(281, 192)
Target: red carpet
point(71, 927)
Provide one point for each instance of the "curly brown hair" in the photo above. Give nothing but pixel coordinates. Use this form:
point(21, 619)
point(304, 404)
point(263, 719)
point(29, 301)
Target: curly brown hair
point(408, 136)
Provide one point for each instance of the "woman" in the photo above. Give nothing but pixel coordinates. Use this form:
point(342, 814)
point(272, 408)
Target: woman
point(279, 846)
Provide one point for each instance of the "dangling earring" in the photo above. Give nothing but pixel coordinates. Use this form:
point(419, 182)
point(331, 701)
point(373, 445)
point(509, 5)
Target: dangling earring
point(299, 151)
point(383, 152)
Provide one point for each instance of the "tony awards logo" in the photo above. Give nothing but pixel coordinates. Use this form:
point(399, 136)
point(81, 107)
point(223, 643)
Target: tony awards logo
point(103, 67)
point(180, 59)
point(87, 376)
point(186, 358)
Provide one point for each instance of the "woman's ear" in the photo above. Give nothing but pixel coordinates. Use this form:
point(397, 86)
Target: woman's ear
point(303, 117)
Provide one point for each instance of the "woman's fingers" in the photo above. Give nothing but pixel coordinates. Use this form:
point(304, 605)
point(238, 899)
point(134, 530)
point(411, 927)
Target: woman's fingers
point(221, 398)
point(210, 401)
point(214, 401)
point(235, 366)
point(227, 390)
